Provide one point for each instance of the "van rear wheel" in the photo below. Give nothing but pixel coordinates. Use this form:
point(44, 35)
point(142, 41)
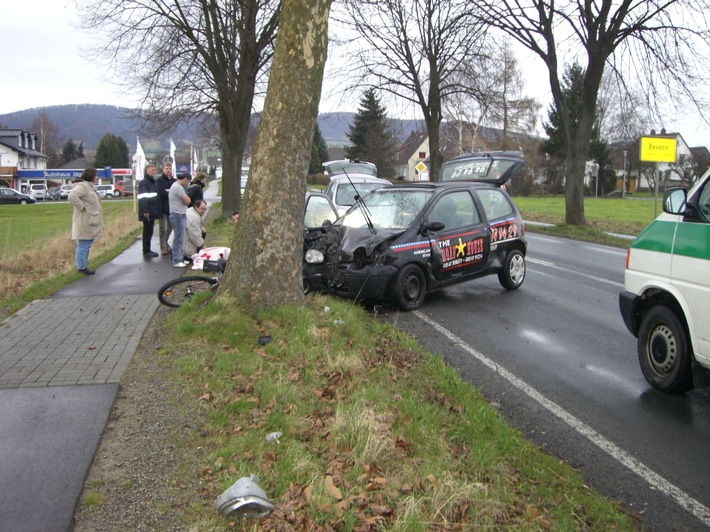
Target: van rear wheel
point(664, 351)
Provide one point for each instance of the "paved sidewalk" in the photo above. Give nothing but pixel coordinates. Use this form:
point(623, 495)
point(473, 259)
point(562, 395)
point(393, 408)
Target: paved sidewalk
point(60, 342)
point(61, 360)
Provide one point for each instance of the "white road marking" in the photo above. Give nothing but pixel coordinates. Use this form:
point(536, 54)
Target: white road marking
point(655, 480)
point(573, 272)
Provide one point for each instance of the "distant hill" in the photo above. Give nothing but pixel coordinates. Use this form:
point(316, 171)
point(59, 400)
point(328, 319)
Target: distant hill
point(87, 123)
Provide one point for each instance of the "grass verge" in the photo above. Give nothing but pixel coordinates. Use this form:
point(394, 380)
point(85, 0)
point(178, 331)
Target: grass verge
point(38, 253)
point(375, 432)
point(604, 216)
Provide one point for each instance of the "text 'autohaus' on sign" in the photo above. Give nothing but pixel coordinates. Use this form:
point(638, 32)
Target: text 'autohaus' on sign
point(658, 149)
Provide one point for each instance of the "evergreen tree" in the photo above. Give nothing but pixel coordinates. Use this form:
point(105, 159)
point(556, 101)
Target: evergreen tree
point(319, 152)
point(598, 149)
point(371, 136)
point(112, 151)
point(69, 152)
point(80, 152)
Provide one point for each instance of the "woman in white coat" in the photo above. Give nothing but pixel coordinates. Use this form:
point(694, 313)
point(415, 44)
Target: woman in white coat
point(194, 239)
point(87, 218)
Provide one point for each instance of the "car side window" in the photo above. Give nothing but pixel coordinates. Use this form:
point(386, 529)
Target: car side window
point(455, 209)
point(495, 203)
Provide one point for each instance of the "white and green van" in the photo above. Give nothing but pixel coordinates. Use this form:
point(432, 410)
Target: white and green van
point(666, 297)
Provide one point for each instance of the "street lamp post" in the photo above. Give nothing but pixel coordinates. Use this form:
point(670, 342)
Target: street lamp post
point(623, 190)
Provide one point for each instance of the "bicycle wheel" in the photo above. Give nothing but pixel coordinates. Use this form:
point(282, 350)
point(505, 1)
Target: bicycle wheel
point(174, 293)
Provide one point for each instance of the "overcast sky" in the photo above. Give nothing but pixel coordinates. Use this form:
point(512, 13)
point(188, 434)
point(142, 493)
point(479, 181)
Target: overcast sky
point(42, 66)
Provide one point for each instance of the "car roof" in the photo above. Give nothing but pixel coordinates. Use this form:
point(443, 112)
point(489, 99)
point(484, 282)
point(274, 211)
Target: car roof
point(437, 186)
point(358, 178)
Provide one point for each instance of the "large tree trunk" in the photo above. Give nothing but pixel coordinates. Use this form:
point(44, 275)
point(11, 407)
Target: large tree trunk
point(265, 268)
point(578, 146)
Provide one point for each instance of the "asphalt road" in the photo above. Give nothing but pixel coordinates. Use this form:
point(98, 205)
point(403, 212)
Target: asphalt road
point(556, 359)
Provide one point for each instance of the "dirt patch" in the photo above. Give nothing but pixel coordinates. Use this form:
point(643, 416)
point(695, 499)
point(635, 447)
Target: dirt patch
point(131, 484)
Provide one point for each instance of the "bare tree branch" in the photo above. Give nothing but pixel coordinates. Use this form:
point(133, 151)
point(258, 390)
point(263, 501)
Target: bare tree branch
point(413, 51)
point(190, 61)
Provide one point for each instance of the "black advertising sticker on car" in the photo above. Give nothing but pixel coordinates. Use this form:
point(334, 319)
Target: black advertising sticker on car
point(456, 252)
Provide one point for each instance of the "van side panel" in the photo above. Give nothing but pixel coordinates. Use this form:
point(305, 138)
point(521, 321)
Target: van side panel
point(690, 270)
point(658, 236)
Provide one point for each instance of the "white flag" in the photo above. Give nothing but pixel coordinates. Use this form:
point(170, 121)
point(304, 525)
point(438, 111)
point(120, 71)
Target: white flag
point(193, 161)
point(172, 156)
point(138, 161)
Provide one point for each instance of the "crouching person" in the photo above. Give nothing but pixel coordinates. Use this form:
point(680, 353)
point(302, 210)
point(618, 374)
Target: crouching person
point(194, 239)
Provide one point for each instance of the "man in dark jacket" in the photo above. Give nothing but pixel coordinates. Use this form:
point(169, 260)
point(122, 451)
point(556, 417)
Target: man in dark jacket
point(164, 182)
point(149, 208)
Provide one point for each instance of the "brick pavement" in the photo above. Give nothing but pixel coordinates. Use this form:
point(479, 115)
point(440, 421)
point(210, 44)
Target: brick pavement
point(70, 341)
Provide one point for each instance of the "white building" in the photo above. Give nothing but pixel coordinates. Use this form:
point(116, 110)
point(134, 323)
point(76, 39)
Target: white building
point(18, 151)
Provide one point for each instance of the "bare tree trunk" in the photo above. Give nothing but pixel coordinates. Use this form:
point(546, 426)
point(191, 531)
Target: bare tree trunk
point(265, 268)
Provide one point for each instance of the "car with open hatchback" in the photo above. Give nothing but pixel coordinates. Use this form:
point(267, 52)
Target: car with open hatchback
point(400, 242)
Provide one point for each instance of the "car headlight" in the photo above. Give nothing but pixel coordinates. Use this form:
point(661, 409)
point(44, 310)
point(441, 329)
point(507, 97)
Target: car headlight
point(313, 256)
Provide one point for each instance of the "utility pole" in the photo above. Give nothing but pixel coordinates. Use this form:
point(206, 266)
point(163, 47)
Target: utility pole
point(623, 190)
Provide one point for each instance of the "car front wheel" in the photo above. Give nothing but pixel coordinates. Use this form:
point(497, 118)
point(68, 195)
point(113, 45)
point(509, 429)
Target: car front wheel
point(664, 351)
point(513, 273)
point(409, 287)
point(23, 202)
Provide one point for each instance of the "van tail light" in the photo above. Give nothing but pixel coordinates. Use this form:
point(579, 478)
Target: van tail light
point(628, 257)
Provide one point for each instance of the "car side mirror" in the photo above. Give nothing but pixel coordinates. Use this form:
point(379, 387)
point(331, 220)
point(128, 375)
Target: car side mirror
point(431, 226)
point(674, 200)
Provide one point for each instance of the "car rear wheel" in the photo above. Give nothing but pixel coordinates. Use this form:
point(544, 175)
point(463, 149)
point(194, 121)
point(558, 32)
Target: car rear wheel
point(664, 351)
point(513, 273)
point(409, 287)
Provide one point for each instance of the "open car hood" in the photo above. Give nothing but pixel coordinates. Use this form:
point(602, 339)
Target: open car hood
point(493, 168)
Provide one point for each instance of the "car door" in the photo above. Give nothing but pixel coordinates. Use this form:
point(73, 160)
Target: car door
point(464, 243)
point(318, 209)
point(690, 267)
point(6, 196)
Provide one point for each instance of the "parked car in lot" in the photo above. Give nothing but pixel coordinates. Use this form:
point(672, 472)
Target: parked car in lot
point(37, 191)
point(64, 191)
point(401, 242)
point(53, 193)
point(343, 189)
point(107, 191)
point(350, 166)
point(666, 298)
point(10, 195)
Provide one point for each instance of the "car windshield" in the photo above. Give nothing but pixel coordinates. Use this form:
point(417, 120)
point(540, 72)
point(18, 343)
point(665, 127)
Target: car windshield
point(348, 167)
point(390, 209)
point(476, 169)
point(345, 194)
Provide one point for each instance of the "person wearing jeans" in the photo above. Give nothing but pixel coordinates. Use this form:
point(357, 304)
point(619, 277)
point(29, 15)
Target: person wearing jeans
point(179, 200)
point(87, 218)
point(163, 183)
